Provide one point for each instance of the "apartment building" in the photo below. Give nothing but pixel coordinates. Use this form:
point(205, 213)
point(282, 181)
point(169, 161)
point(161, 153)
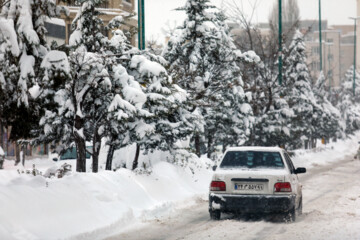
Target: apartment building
point(109, 9)
point(337, 47)
point(331, 55)
point(337, 53)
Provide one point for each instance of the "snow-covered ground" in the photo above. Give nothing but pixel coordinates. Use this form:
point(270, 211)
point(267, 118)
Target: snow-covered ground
point(95, 206)
point(330, 211)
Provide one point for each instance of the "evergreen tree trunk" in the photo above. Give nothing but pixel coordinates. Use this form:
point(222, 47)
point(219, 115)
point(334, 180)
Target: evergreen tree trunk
point(96, 151)
point(80, 146)
point(136, 159)
point(80, 154)
point(197, 145)
point(109, 157)
point(210, 144)
point(17, 154)
point(23, 153)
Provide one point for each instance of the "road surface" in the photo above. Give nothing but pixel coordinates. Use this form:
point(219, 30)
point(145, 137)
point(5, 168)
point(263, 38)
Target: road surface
point(331, 210)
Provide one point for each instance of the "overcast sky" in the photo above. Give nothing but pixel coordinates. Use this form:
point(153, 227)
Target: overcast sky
point(159, 12)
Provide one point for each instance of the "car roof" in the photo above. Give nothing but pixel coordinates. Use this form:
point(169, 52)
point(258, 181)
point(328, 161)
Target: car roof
point(252, 148)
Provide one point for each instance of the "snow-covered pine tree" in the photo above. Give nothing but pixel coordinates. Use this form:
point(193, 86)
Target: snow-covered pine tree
point(326, 118)
point(72, 120)
point(54, 126)
point(103, 105)
point(160, 119)
point(348, 102)
point(88, 37)
point(298, 93)
point(87, 27)
point(202, 60)
point(271, 111)
point(123, 111)
point(22, 48)
point(168, 121)
point(84, 95)
point(272, 114)
point(272, 128)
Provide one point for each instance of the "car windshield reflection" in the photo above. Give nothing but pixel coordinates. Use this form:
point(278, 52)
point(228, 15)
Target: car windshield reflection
point(252, 159)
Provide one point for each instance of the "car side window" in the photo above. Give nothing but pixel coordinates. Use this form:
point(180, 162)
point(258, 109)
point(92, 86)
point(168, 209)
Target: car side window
point(289, 162)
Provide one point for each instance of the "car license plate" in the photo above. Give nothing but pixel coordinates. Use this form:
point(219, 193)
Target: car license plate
point(247, 186)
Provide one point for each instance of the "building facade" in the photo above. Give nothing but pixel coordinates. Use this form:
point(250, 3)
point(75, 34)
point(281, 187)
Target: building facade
point(59, 30)
point(109, 10)
point(336, 48)
point(331, 55)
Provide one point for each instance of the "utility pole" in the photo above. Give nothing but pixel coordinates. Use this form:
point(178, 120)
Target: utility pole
point(354, 70)
point(280, 44)
point(141, 24)
point(320, 40)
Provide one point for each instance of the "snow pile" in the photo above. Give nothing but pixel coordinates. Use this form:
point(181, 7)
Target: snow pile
point(91, 205)
point(330, 153)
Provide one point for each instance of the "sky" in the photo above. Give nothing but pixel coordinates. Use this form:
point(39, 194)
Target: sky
point(160, 13)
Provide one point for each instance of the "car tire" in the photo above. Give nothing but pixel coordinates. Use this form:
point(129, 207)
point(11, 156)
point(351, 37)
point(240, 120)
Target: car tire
point(299, 210)
point(215, 214)
point(290, 216)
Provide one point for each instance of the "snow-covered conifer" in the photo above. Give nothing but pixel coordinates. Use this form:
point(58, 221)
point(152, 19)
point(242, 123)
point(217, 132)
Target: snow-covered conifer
point(298, 93)
point(272, 128)
point(326, 118)
point(348, 101)
point(158, 119)
point(22, 48)
point(87, 27)
point(76, 100)
point(202, 60)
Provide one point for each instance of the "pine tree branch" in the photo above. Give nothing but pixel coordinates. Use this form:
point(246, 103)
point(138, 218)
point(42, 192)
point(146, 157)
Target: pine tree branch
point(4, 3)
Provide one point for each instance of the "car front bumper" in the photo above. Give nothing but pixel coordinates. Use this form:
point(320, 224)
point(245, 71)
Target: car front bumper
point(251, 203)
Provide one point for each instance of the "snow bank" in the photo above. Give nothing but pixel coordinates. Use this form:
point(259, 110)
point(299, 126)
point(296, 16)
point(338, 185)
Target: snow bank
point(329, 153)
point(91, 206)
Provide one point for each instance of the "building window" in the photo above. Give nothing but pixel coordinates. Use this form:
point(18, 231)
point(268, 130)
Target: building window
point(315, 66)
point(73, 3)
point(315, 50)
point(104, 4)
point(330, 40)
point(330, 74)
point(76, 3)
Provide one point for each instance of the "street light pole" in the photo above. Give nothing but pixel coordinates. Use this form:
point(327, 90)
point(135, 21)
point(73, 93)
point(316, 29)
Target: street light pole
point(141, 24)
point(354, 69)
point(280, 44)
point(320, 40)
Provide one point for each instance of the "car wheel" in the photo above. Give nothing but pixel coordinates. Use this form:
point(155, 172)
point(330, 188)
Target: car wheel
point(290, 216)
point(215, 214)
point(299, 210)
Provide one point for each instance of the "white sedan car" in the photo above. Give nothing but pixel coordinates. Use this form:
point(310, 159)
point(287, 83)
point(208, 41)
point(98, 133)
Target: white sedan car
point(256, 180)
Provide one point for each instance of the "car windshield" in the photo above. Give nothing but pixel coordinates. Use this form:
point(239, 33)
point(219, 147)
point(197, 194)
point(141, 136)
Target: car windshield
point(252, 159)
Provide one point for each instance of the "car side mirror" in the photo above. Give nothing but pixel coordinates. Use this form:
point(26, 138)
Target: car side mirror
point(300, 170)
point(214, 168)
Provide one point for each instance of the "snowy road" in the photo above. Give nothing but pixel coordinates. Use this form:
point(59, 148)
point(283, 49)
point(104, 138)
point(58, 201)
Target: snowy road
point(331, 211)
